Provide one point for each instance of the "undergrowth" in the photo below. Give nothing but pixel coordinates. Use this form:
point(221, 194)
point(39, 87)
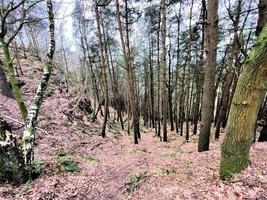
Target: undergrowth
point(66, 163)
point(132, 184)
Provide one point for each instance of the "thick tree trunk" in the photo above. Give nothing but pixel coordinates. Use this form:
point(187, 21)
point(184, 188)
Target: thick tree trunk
point(249, 95)
point(12, 166)
point(208, 91)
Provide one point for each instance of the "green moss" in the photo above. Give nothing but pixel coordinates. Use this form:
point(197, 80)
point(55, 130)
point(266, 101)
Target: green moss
point(232, 164)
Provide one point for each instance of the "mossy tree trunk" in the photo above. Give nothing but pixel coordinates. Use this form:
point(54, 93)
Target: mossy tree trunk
point(14, 83)
point(249, 95)
point(5, 88)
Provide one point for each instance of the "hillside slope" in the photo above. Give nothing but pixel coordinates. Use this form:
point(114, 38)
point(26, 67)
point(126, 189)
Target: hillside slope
point(115, 168)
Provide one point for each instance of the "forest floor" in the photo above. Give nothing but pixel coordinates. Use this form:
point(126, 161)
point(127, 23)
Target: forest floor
point(115, 168)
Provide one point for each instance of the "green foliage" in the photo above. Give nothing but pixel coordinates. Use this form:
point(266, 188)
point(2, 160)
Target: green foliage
point(92, 159)
point(134, 181)
point(66, 163)
point(37, 167)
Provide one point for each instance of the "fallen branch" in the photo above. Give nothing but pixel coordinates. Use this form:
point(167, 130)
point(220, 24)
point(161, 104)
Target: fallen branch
point(12, 119)
point(96, 146)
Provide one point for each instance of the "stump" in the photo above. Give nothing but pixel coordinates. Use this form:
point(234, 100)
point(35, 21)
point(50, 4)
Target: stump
point(12, 167)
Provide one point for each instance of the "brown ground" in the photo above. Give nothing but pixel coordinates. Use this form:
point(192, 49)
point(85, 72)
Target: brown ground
point(173, 170)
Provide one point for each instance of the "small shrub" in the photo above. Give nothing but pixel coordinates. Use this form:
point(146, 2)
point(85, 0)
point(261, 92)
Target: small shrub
point(66, 163)
point(69, 165)
point(37, 167)
point(134, 181)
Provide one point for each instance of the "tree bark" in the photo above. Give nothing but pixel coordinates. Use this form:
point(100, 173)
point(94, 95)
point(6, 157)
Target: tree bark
point(209, 82)
point(12, 166)
point(249, 95)
point(5, 88)
point(164, 71)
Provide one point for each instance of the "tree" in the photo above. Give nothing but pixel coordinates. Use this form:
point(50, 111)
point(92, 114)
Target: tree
point(5, 88)
point(129, 71)
point(29, 129)
point(103, 67)
point(249, 95)
point(164, 71)
point(209, 81)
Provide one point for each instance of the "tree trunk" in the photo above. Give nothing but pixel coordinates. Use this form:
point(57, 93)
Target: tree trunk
point(152, 85)
point(29, 130)
point(5, 88)
point(170, 87)
point(158, 69)
point(164, 71)
point(249, 95)
point(263, 132)
point(104, 69)
point(13, 80)
point(129, 72)
point(208, 91)
point(198, 71)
